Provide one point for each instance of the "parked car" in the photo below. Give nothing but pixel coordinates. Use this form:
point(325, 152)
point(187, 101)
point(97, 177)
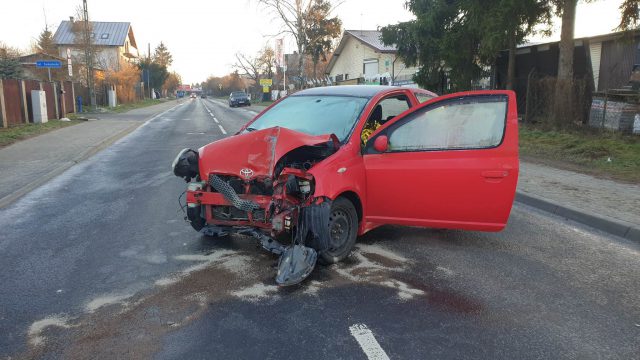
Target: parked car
point(203, 96)
point(304, 169)
point(238, 98)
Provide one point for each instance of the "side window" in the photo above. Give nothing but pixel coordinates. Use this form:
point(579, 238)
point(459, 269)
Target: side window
point(465, 123)
point(422, 97)
point(384, 111)
point(394, 106)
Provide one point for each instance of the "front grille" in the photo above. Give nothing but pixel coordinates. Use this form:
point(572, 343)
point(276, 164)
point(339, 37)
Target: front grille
point(230, 213)
point(256, 187)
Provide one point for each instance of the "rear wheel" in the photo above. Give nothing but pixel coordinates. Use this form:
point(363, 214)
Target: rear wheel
point(343, 231)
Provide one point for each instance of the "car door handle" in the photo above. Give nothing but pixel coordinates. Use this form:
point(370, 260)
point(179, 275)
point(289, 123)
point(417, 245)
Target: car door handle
point(495, 174)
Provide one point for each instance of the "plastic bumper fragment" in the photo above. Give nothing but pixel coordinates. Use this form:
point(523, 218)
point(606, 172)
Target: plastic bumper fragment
point(295, 265)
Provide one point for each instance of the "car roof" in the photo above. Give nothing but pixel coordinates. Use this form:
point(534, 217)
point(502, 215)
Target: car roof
point(365, 91)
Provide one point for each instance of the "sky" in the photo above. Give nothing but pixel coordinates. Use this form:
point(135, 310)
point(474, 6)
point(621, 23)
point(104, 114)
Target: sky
point(204, 35)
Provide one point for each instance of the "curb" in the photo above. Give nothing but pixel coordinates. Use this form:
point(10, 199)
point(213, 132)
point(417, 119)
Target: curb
point(603, 223)
point(5, 201)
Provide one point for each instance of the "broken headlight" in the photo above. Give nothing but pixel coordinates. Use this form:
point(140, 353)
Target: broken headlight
point(299, 186)
point(186, 164)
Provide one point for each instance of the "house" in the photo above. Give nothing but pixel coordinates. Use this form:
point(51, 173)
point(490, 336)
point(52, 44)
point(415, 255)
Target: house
point(605, 60)
point(362, 58)
point(602, 66)
point(114, 42)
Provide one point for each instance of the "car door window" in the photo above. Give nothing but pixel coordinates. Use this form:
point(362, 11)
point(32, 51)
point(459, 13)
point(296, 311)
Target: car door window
point(394, 106)
point(464, 123)
point(384, 111)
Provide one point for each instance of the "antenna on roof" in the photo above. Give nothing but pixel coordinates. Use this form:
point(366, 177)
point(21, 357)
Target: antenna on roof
point(44, 11)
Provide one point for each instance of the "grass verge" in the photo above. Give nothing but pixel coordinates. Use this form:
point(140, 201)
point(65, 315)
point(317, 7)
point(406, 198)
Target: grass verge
point(604, 154)
point(135, 105)
point(16, 133)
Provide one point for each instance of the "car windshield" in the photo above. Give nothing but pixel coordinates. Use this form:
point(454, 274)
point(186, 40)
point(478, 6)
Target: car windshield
point(238, 94)
point(314, 115)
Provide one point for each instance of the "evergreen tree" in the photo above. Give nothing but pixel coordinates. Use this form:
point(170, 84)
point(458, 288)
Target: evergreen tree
point(10, 67)
point(461, 38)
point(162, 56)
point(46, 45)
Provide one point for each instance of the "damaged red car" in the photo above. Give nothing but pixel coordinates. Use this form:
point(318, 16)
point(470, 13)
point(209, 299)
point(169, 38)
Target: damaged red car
point(320, 167)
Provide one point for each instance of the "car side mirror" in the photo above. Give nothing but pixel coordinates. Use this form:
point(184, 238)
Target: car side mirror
point(381, 144)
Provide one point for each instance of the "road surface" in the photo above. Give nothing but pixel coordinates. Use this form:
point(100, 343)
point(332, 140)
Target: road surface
point(98, 263)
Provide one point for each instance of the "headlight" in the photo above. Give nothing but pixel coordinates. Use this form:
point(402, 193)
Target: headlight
point(186, 164)
point(299, 186)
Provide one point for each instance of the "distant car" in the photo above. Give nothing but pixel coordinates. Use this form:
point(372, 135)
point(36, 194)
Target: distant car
point(203, 96)
point(238, 98)
point(193, 96)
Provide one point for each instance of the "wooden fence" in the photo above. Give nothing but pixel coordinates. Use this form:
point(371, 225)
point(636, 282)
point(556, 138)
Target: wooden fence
point(15, 100)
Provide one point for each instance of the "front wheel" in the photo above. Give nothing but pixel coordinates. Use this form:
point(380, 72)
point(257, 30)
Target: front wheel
point(343, 231)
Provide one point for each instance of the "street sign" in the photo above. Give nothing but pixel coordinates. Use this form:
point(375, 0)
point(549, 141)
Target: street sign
point(265, 89)
point(266, 82)
point(49, 64)
point(69, 66)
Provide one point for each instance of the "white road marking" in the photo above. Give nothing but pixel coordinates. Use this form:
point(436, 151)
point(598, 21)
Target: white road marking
point(222, 129)
point(216, 120)
point(368, 342)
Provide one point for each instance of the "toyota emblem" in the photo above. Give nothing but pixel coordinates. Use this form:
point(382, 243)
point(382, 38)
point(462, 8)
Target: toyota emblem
point(246, 173)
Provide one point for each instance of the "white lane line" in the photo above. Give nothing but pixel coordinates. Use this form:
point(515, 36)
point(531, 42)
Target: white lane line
point(216, 120)
point(222, 129)
point(368, 342)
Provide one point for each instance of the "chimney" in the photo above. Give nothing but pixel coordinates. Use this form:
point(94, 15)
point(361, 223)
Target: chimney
point(71, 19)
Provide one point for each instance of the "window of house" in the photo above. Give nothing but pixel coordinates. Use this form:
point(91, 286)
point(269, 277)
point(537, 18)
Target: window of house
point(466, 123)
point(370, 69)
point(104, 36)
point(93, 35)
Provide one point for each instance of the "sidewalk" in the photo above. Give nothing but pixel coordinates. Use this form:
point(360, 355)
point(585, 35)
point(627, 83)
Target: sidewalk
point(607, 205)
point(30, 163)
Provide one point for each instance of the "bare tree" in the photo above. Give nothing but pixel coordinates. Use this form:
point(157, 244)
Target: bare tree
point(296, 19)
point(249, 68)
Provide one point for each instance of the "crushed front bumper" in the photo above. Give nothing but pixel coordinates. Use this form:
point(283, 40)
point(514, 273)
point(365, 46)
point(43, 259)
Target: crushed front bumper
point(226, 210)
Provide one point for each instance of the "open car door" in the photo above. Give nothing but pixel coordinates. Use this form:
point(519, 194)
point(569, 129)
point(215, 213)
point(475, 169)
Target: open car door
point(451, 162)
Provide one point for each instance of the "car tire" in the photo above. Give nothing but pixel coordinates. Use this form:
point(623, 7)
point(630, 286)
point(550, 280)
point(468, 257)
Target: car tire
point(343, 231)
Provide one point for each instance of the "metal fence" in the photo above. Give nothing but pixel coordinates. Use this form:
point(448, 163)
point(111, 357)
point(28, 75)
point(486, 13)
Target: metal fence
point(16, 105)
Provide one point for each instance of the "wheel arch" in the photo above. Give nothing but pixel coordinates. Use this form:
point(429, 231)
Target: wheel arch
point(355, 200)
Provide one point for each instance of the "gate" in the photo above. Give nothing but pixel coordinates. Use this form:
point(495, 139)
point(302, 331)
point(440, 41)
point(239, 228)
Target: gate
point(68, 97)
point(13, 104)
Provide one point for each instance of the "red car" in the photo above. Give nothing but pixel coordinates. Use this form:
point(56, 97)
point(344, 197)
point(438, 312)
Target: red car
point(325, 165)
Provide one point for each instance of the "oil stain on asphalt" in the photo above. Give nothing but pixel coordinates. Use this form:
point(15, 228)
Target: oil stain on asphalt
point(133, 326)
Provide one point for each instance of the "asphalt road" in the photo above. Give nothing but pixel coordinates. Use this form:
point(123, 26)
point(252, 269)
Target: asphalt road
point(99, 264)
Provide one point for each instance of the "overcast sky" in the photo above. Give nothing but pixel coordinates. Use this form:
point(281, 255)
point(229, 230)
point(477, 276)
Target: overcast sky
point(204, 35)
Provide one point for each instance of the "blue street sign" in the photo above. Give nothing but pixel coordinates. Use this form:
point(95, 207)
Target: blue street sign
point(49, 64)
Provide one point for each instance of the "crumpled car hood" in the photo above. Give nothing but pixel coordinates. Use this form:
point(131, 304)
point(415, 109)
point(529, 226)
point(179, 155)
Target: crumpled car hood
point(258, 151)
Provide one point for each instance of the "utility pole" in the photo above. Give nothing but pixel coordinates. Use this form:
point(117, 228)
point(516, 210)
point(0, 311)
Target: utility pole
point(87, 54)
point(149, 69)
